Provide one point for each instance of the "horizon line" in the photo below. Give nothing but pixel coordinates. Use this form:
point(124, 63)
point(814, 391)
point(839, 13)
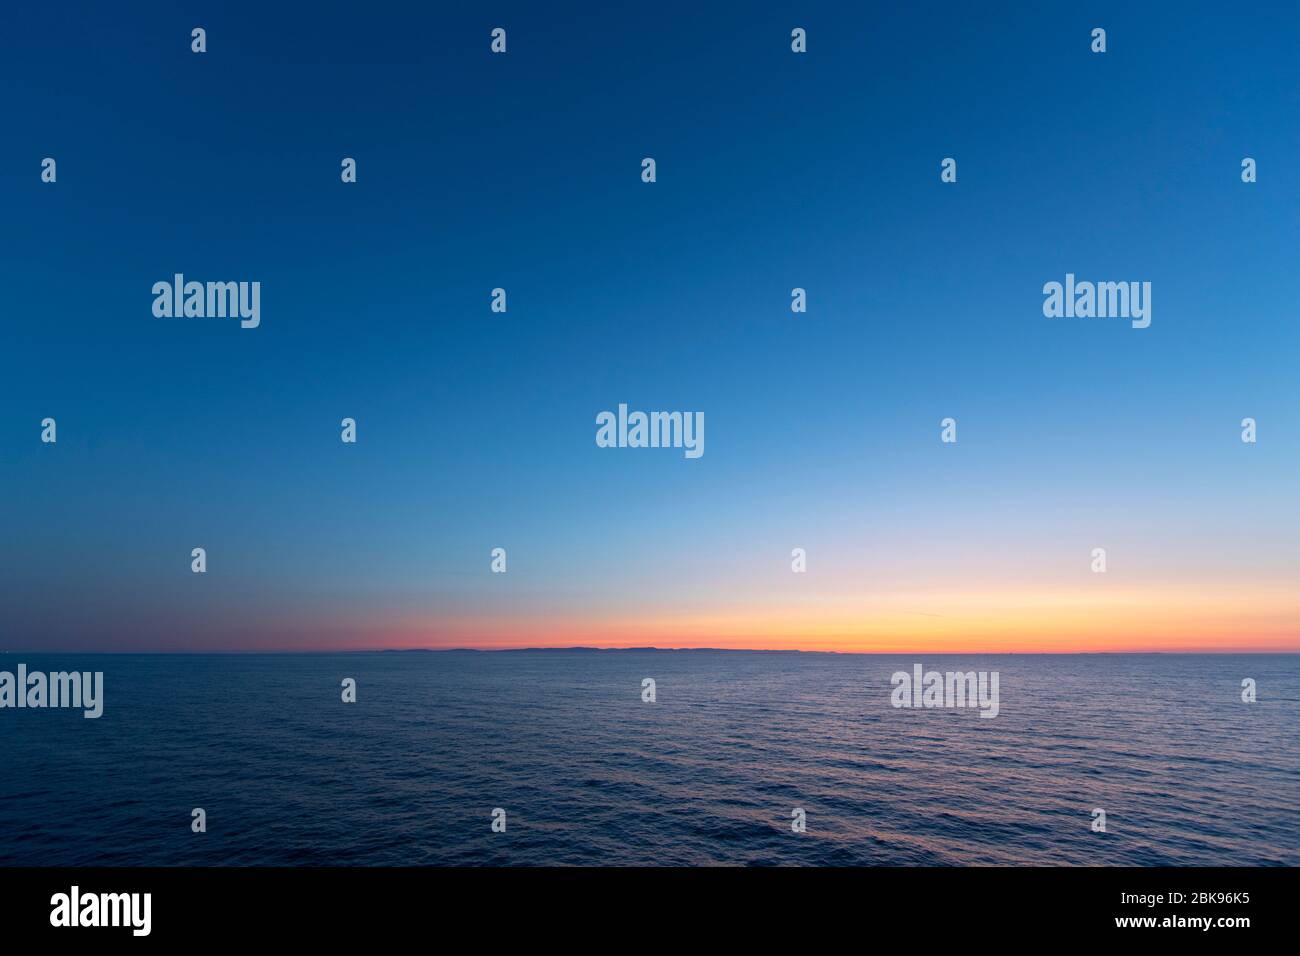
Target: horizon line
point(643, 648)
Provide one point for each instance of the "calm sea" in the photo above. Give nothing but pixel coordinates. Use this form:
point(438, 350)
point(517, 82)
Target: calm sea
point(709, 774)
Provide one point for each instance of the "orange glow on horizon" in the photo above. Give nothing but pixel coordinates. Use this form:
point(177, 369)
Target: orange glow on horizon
point(1258, 619)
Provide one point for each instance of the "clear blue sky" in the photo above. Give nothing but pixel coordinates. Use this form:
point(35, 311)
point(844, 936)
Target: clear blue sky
point(476, 430)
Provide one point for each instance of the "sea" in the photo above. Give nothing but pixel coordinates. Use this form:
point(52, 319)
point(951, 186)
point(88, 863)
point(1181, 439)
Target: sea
point(561, 750)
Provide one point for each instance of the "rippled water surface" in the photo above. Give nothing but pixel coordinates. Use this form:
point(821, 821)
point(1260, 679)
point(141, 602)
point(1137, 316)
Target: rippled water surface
point(709, 774)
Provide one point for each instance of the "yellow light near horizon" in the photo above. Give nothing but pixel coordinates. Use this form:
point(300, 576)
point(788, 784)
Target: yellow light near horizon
point(1255, 618)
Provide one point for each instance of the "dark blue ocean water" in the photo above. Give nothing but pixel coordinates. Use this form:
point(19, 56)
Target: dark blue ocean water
point(589, 774)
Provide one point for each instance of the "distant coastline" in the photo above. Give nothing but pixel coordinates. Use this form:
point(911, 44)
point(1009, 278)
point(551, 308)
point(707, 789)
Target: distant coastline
point(586, 649)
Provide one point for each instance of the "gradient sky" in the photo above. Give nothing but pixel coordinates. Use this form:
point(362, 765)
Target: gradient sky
point(476, 430)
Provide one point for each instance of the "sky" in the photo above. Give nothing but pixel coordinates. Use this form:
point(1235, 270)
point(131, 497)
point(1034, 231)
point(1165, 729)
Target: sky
point(775, 170)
